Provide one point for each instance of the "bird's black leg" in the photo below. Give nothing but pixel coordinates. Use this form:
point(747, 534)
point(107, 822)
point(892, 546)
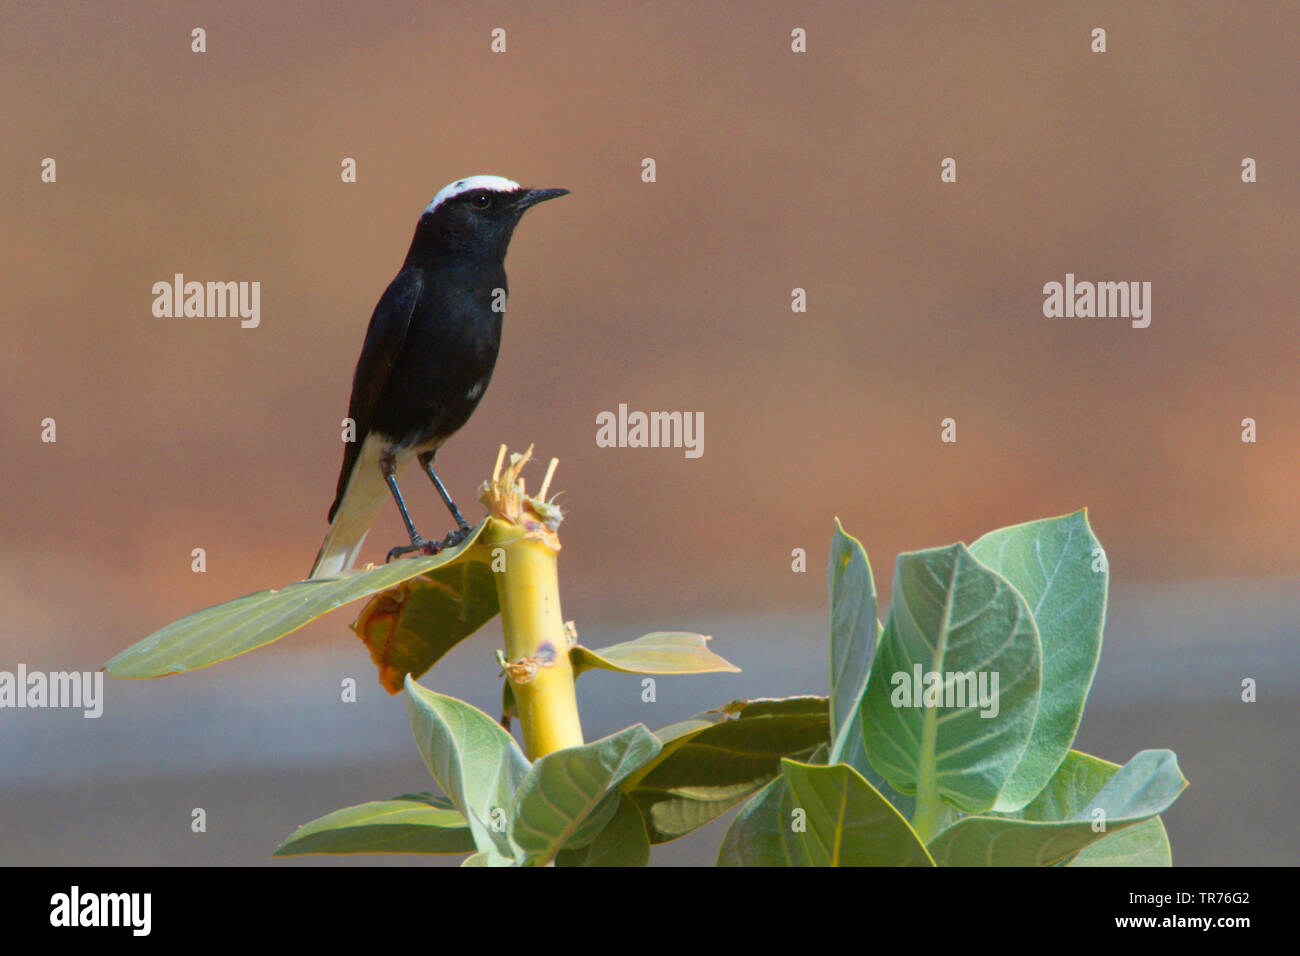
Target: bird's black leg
point(462, 526)
point(388, 468)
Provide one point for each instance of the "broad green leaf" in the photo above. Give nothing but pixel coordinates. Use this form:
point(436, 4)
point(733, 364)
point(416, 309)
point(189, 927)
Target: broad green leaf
point(1060, 821)
point(716, 759)
point(854, 629)
point(555, 802)
point(904, 804)
point(760, 833)
point(408, 628)
point(412, 823)
point(848, 822)
point(226, 630)
point(1079, 778)
point(476, 763)
point(1085, 783)
point(622, 841)
point(1058, 566)
point(487, 858)
point(663, 652)
point(1143, 844)
point(954, 685)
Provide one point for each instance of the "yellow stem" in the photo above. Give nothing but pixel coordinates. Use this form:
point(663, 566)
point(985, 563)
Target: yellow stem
point(528, 591)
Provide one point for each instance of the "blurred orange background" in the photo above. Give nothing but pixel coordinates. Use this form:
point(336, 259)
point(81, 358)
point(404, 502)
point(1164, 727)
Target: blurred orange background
point(775, 171)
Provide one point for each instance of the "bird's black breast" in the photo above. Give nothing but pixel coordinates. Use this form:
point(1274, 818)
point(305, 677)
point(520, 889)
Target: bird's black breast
point(446, 359)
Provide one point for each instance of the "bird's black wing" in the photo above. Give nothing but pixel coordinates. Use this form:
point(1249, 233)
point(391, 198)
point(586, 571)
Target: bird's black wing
point(384, 339)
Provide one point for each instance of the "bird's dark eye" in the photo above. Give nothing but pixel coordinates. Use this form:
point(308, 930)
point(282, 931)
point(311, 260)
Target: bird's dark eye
point(481, 201)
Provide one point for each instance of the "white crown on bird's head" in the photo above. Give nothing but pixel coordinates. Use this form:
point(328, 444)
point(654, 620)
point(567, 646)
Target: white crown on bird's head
point(498, 184)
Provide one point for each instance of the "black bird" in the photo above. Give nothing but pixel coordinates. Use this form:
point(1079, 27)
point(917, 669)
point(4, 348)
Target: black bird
point(427, 359)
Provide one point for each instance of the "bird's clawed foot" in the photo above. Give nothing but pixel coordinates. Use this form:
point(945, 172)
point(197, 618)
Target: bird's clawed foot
point(456, 537)
point(418, 544)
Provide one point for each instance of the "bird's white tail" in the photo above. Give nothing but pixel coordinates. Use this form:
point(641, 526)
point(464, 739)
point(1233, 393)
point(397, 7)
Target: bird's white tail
point(361, 504)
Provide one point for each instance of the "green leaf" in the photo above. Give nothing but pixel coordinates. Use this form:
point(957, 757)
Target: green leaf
point(1143, 844)
point(408, 628)
point(1059, 822)
point(412, 823)
point(487, 858)
point(509, 706)
point(848, 822)
point(663, 652)
point(952, 616)
point(622, 842)
point(476, 763)
point(758, 836)
point(226, 630)
point(555, 802)
point(716, 759)
point(904, 804)
point(1051, 564)
point(854, 629)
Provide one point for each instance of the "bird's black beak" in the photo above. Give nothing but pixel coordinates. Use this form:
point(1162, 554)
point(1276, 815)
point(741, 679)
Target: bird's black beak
point(533, 196)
